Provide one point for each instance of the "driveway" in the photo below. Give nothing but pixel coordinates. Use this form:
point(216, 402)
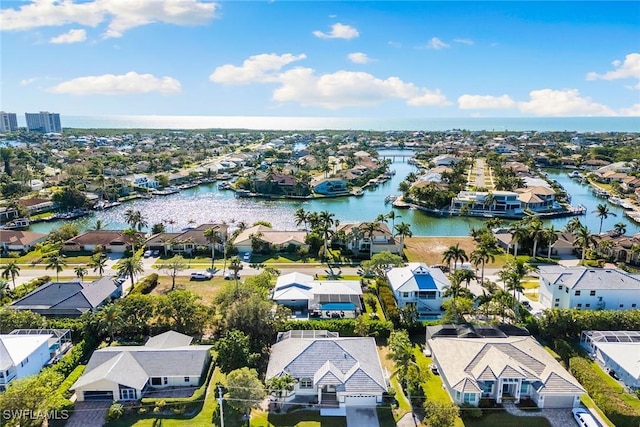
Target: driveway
point(88, 414)
point(362, 416)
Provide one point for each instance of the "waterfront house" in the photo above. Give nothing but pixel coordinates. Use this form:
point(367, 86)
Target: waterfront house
point(311, 297)
point(445, 160)
point(128, 372)
point(140, 180)
point(538, 198)
point(630, 184)
point(500, 203)
point(334, 372)
point(331, 187)
point(501, 365)
point(24, 352)
point(616, 352)
point(16, 240)
point(620, 248)
point(36, 205)
point(588, 288)
point(113, 241)
point(420, 287)
point(69, 299)
point(269, 239)
point(359, 241)
point(189, 240)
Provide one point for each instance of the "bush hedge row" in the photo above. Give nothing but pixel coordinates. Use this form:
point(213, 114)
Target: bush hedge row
point(146, 285)
point(606, 397)
point(22, 290)
point(569, 323)
point(345, 327)
point(388, 302)
point(63, 389)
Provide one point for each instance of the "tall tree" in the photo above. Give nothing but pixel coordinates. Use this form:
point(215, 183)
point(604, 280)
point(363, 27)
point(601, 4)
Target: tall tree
point(602, 211)
point(302, 217)
point(454, 253)
point(235, 265)
point(131, 267)
point(55, 261)
point(245, 390)
point(550, 236)
point(135, 219)
point(233, 351)
point(369, 229)
point(620, 228)
point(172, 267)
point(281, 386)
point(583, 239)
point(325, 223)
point(482, 255)
point(80, 272)
point(212, 234)
point(403, 230)
point(98, 263)
point(535, 230)
point(110, 320)
point(11, 270)
point(573, 224)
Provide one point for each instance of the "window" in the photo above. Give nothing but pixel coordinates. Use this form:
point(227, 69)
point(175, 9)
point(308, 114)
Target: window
point(592, 293)
point(306, 383)
point(127, 394)
point(469, 397)
point(487, 388)
point(524, 387)
point(579, 305)
point(556, 304)
point(621, 305)
point(405, 295)
point(457, 395)
point(165, 381)
point(566, 290)
point(557, 299)
point(577, 293)
point(187, 379)
point(156, 381)
point(587, 305)
point(560, 287)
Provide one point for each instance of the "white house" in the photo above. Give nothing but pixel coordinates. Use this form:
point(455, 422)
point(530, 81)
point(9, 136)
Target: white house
point(318, 298)
point(588, 288)
point(445, 160)
point(500, 203)
point(359, 240)
point(139, 180)
point(618, 352)
point(127, 372)
point(419, 286)
point(24, 352)
point(501, 367)
point(336, 372)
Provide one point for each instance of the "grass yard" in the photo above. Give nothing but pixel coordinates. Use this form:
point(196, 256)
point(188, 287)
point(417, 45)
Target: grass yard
point(206, 289)
point(504, 419)
point(430, 249)
point(630, 399)
point(587, 401)
point(300, 418)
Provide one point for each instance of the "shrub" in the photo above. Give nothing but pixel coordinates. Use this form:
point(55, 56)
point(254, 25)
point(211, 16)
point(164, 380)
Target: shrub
point(468, 411)
point(345, 327)
point(115, 411)
point(146, 285)
point(388, 302)
point(63, 390)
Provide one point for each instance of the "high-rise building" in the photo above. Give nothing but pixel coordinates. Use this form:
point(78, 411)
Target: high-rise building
point(8, 122)
point(43, 121)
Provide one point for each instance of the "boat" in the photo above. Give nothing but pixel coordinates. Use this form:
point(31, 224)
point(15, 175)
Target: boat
point(17, 224)
point(627, 206)
point(615, 200)
point(100, 206)
point(390, 198)
point(224, 186)
point(357, 191)
point(76, 213)
point(575, 174)
point(167, 191)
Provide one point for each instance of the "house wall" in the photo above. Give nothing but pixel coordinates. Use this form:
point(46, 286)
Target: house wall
point(102, 385)
point(34, 362)
point(628, 379)
point(551, 296)
point(412, 297)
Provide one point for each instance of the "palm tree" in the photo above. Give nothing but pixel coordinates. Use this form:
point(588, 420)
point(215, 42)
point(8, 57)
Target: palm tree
point(131, 266)
point(489, 200)
point(326, 221)
point(494, 222)
point(550, 237)
point(602, 211)
point(110, 320)
point(369, 229)
point(620, 228)
point(583, 240)
point(392, 216)
point(518, 233)
point(484, 301)
point(11, 270)
point(280, 385)
point(454, 290)
point(573, 224)
point(212, 235)
point(80, 272)
point(482, 255)
point(55, 261)
point(466, 275)
point(454, 253)
point(635, 250)
point(302, 217)
point(135, 219)
point(403, 230)
point(235, 265)
point(536, 232)
point(98, 263)
point(133, 236)
point(511, 275)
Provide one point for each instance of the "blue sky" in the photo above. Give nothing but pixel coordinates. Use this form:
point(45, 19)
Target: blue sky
point(304, 58)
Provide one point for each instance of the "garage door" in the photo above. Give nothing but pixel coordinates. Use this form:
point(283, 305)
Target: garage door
point(558, 401)
point(360, 400)
point(98, 395)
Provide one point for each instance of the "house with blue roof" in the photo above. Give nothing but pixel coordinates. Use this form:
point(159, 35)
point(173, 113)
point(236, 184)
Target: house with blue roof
point(419, 286)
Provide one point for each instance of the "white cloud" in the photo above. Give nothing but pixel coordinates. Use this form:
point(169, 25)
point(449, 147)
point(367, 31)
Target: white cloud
point(629, 69)
point(338, 31)
point(565, 102)
point(437, 44)
point(258, 68)
point(332, 90)
point(120, 15)
point(71, 36)
point(634, 111)
point(27, 82)
point(464, 41)
point(477, 102)
point(359, 58)
point(112, 84)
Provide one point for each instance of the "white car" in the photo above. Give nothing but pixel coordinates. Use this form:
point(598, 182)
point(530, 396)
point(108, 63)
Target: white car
point(229, 275)
point(201, 275)
point(584, 418)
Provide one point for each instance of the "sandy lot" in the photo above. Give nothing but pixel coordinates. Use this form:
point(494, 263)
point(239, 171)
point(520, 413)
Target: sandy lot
point(430, 249)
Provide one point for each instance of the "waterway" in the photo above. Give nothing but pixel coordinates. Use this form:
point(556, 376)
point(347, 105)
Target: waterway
point(207, 204)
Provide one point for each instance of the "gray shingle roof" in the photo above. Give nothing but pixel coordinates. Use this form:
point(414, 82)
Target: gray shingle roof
point(352, 361)
point(589, 278)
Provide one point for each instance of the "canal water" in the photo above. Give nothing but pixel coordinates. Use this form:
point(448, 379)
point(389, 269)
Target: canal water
point(207, 204)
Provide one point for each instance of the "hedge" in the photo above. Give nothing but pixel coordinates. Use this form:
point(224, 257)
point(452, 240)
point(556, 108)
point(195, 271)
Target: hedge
point(63, 389)
point(569, 323)
point(345, 327)
point(146, 285)
point(22, 290)
point(388, 302)
point(606, 397)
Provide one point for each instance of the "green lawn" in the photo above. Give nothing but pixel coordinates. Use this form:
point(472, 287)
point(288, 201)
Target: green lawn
point(631, 400)
point(299, 418)
point(587, 401)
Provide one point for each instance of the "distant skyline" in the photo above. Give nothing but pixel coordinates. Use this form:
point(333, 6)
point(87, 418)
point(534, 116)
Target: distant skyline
point(320, 59)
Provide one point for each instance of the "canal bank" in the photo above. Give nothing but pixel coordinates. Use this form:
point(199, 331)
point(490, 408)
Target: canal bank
point(206, 204)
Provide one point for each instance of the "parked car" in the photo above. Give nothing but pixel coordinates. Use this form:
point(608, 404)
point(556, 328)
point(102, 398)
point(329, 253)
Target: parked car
point(201, 275)
point(584, 418)
point(155, 253)
point(230, 275)
point(434, 369)
point(147, 253)
point(246, 257)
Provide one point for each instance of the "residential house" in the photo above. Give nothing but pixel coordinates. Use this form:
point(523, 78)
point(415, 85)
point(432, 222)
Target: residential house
point(359, 241)
point(125, 373)
point(270, 239)
point(36, 205)
point(315, 298)
point(331, 187)
point(538, 199)
point(445, 160)
point(189, 240)
point(24, 352)
point(588, 288)
point(69, 299)
point(489, 363)
point(140, 180)
point(617, 352)
point(420, 287)
point(113, 241)
point(16, 240)
point(620, 248)
point(630, 184)
point(332, 371)
point(500, 203)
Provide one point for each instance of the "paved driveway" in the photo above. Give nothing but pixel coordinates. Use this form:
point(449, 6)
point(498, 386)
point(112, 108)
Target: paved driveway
point(362, 416)
point(88, 414)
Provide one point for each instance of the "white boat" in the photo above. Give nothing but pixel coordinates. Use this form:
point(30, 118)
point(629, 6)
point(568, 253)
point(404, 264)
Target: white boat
point(615, 200)
point(575, 174)
point(626, 206)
